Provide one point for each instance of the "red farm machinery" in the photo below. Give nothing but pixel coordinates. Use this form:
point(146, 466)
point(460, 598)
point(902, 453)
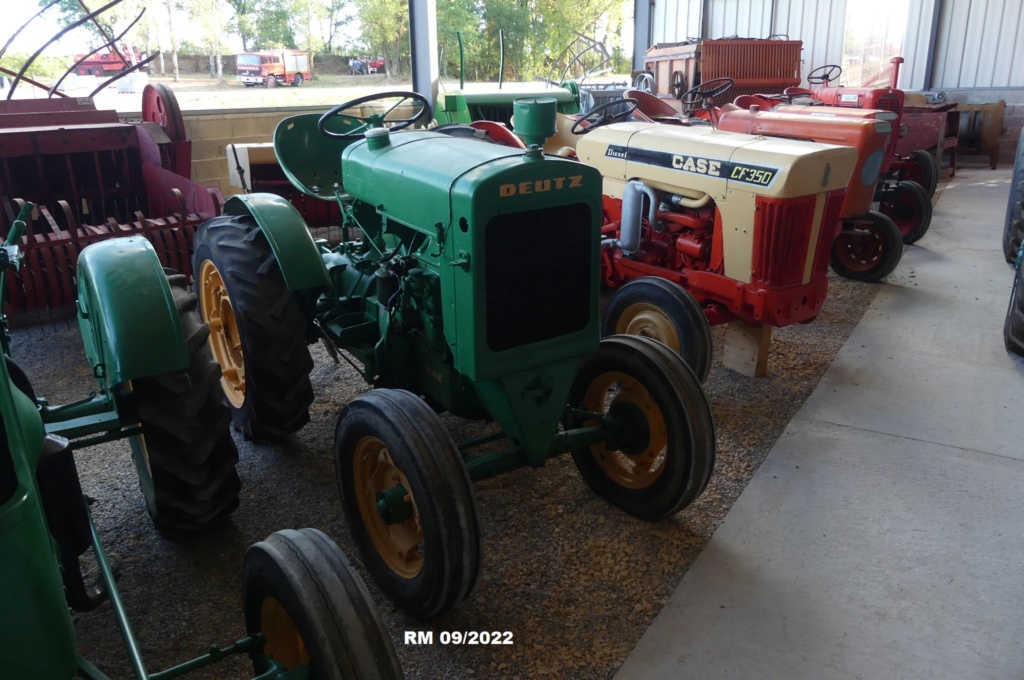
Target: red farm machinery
point(93, 177)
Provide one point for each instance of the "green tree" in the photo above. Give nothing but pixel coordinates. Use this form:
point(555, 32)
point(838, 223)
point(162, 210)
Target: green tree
point(386, 31)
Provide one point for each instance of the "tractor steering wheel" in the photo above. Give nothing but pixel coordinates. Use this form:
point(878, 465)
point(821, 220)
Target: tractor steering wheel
point(823, 75)
point(374, 120)
point(601, 118)
point(704, 94)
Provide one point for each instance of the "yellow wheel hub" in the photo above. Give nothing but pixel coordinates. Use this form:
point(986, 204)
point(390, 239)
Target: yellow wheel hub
point(648, 321)
point(225, 340)
point(400, 544)
point(638, 470)
point(284, 643)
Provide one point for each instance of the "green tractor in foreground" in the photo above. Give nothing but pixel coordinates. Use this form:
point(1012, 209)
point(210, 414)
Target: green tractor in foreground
point(473, 289)
point(157, 387)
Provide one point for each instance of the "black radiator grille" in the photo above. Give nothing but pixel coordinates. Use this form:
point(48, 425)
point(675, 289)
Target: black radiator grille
point(539, 278)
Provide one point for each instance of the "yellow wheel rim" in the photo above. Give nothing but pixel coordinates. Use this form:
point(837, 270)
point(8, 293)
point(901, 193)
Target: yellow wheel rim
point(641, 469)
point(648, 321)
point(225, 340)
point(284, 643)
point(400, 545)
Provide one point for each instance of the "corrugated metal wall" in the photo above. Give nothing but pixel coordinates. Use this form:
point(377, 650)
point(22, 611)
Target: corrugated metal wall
point(819, 23)
point(675, 20)
point(979, 41)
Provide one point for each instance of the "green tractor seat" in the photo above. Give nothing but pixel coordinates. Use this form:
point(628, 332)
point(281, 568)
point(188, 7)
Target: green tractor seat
point(311, 160)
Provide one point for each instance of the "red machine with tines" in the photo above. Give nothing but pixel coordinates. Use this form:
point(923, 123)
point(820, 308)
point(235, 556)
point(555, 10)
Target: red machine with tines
point(93, 177)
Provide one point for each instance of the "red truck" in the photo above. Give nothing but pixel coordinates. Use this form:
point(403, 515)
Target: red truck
point(273, 67)
point(108, 63)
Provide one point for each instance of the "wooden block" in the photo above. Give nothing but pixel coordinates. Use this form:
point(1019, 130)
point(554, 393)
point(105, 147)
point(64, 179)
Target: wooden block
point(746, 348)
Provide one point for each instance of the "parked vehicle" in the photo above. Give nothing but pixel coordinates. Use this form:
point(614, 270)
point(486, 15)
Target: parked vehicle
point(273, 67)
point(108, 63)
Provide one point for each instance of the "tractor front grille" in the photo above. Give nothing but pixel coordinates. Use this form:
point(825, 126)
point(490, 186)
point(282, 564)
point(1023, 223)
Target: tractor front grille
point(782, 233)
point(889, 102)
point(539, 275)
point(827, 233)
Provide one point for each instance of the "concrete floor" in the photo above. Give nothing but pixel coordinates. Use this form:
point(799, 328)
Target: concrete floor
point(882, 537)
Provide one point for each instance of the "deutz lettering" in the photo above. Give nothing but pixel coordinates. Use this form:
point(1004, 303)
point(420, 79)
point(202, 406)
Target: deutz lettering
point(702, 166)
point(539, 186)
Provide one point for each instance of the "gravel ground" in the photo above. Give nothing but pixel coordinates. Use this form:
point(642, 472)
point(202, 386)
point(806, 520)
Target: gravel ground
point(574, 579)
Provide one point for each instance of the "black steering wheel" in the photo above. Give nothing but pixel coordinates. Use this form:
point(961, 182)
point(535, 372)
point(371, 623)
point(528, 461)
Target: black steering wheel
point(374, 120)
point(823, 75)
point(704, 94)
point(601, 118)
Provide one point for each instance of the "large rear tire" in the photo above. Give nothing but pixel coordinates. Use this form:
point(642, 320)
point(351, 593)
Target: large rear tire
point(1013, 327)
point(257, 329)
point(867, 249)
point(656, 308)
point(908, 206)
point(409, 501)
point(1013, 228)
point(665, 449)
point(185, 456)
point(301, 592)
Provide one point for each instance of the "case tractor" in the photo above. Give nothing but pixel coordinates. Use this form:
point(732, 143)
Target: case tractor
point(158, 388)
point(467, 282)
point(869, 245)
point(704, 226)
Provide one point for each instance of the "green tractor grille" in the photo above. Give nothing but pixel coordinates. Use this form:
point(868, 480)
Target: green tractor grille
point(538, 275)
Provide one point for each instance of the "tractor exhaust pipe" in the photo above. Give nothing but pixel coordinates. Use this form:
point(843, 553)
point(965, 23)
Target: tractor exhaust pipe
point(631, 222)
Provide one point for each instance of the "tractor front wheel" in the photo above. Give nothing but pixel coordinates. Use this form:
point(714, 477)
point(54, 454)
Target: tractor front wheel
point(257, 329)
point(301, 592)
point(908, 206)
point(661, 447)
point(185, 456)
point(656, 308)
point(409, 501)
point(867, 249)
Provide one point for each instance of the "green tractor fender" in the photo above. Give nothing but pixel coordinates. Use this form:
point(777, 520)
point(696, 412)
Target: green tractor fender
point(297, 254)
point(129, 324)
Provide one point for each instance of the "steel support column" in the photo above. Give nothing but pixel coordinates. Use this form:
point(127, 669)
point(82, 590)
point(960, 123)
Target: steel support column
point(423, 44)
point(641, 31)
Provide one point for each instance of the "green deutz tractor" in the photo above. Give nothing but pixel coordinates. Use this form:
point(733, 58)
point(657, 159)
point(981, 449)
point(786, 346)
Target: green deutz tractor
point(472, 288)
point(158, 387)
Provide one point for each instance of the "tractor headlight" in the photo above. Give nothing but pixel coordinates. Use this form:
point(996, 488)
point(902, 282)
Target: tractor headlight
point(872, 166)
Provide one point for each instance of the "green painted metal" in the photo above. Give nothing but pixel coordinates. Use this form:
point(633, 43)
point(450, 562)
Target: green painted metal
point(465, 107)
point(535, 119)
point(294, 248)
point(35, 627)
point(392, 505)
point(129, 324)
point(310, 159)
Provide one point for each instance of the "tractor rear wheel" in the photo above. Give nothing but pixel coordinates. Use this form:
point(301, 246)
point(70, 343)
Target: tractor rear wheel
point(924, 170)
point(661, 452)
point(257, 328)
point(301, 592)
point(656, 308)
point(908, 206)
point(185, 456)
point(1013, 228)
point(1013, 327)
point(409, 501)
point(867, 249)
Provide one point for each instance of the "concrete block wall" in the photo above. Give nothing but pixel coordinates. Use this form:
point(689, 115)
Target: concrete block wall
point(1013, 117)
point(211, 133)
